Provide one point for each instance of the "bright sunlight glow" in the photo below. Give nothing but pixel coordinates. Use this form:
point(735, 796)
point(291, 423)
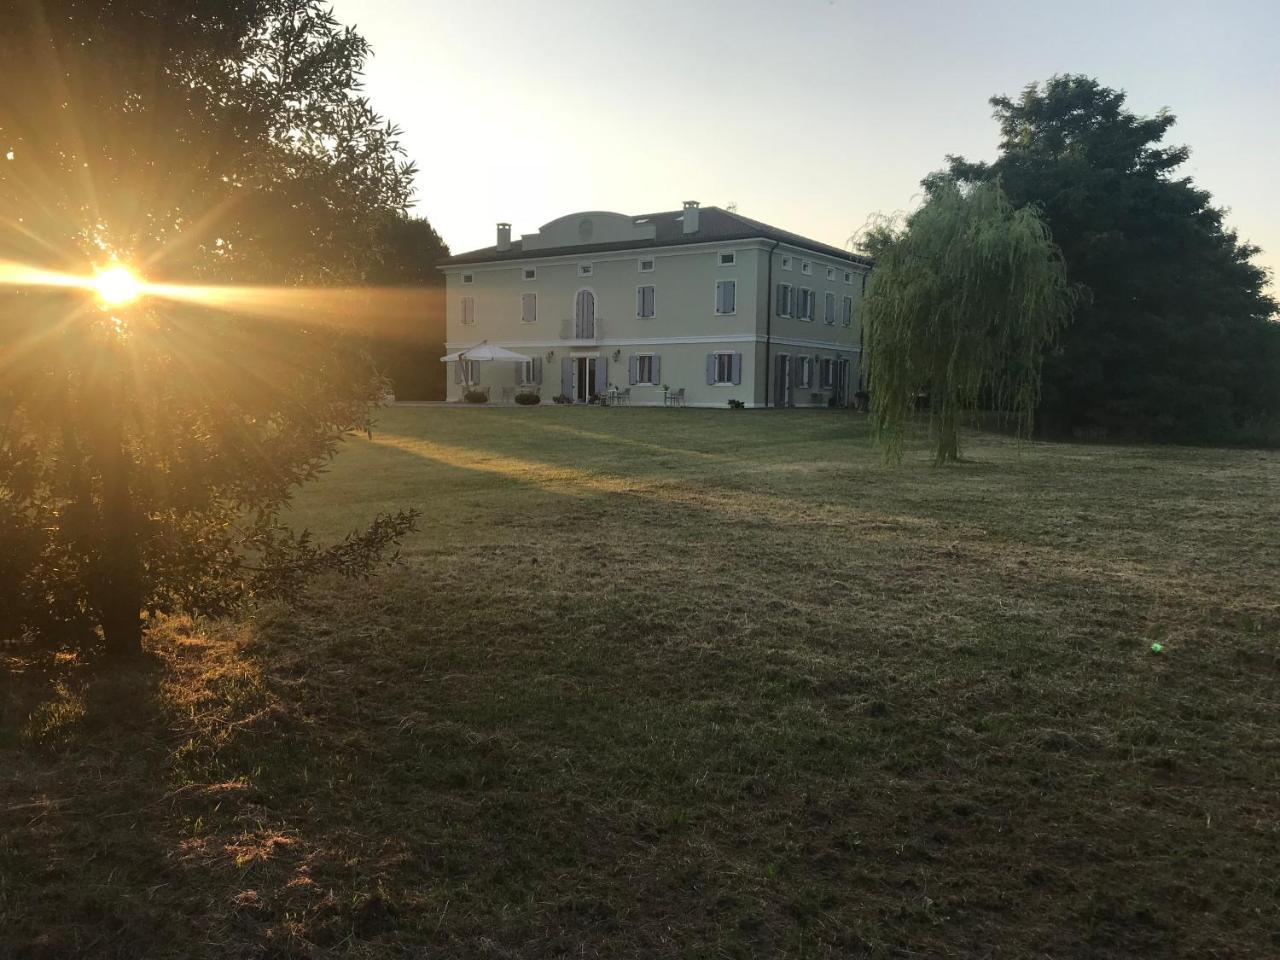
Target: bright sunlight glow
point(117, 285)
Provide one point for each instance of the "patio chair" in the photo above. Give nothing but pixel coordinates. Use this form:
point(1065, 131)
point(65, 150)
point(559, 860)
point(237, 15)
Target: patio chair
point(677, 398)
point(508, 395)
point(623, 398)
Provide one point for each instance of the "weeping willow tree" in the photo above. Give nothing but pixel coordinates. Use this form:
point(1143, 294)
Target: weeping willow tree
point(966, 296)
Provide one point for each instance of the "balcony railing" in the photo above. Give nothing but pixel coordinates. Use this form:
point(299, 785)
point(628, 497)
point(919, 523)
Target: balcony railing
point(581, 328)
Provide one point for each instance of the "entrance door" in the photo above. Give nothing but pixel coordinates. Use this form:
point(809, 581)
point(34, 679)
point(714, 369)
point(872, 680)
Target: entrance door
point(783, 381)
point(584, 315)
point(584, 378)
point(842, 383)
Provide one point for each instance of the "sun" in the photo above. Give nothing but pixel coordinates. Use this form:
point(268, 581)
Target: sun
point(117, 285)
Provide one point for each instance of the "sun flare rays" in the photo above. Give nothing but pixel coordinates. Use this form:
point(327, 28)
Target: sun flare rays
point(117, 287)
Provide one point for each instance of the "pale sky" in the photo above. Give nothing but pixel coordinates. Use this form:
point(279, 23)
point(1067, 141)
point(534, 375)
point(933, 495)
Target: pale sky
point(808, 114)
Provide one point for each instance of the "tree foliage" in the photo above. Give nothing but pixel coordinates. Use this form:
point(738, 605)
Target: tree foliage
point(1177, 338)
point(146, 453)
point(407, 343)
point(965, 297)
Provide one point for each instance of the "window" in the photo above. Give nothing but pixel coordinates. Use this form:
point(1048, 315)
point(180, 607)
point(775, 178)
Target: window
point(829, 310)
point(645, 301)
point(804, 371)
point(728, 259)
point(528, 373)
point(530, 273)
point(643, 369)
point(786, 262)
point(646, 265)
point(806, 267)
point(726, 296)
point(528, 307)
point(466, 371)
point(846, 312)
point(724, 369)
point(848, 277)
point(805, 304)
point(786, 299)
point(584, 269)
point(468, 309)
point(468, 277)
point(831, 273)
point(828, 367)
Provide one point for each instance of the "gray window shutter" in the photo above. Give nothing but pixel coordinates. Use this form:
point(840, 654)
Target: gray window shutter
point(566, 377)
point(519, 372)
point(457, 371)
point(737, 369)
point(537, 370)
point(633, 366)
point(602, 376)
point(711, 369)
point(656, 376)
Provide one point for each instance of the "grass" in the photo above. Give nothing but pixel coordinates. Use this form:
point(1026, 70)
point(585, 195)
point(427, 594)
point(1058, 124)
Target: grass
point(690, 684)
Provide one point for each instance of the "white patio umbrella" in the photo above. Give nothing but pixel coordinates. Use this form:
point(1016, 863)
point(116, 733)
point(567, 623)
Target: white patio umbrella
point(484, 351)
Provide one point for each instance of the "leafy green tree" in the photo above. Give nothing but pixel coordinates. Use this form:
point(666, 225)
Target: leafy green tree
point(965, 297)
point(147, 450)
point(1177, 338)
point(406, 336)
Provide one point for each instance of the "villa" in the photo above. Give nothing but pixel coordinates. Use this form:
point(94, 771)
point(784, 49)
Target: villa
point(698, 304)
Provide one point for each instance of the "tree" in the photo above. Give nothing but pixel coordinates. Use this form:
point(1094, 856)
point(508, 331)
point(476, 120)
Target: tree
point(964, 299)
point(1176, 339)
point(406, 337)
point(147, 450)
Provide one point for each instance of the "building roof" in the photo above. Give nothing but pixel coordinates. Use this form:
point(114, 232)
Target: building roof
point(715, 225)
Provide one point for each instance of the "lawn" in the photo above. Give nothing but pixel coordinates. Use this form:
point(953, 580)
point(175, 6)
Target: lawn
point(695, 683)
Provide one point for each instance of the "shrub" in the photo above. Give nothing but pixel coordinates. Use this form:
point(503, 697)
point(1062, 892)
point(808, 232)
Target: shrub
point(476, 396)
point(737, 404)
point(528, 399)
point(561, 398)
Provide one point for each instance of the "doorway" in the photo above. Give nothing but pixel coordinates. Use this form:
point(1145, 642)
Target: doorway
point(584, 378)
point(842, 383)
point(783, 396)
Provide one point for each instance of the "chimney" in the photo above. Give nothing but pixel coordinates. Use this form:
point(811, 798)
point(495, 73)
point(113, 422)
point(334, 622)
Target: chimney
point(691, 216)
point(504, 236)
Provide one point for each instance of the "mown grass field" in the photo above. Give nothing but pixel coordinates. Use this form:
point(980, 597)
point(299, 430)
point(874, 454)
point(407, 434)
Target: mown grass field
point(656, 683)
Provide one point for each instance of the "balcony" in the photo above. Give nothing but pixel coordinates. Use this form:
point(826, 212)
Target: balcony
point(583, 328)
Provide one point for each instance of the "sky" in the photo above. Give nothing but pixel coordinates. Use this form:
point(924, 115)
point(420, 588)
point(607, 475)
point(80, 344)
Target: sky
point(811, 115)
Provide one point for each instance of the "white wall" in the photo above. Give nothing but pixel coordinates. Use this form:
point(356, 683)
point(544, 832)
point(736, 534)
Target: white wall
point(683, 330)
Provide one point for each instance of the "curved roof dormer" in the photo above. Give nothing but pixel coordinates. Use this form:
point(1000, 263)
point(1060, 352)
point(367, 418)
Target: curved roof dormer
point(589, 228)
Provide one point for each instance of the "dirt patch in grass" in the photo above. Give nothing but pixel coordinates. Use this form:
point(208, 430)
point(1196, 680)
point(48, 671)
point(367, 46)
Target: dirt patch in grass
point(675, 683)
